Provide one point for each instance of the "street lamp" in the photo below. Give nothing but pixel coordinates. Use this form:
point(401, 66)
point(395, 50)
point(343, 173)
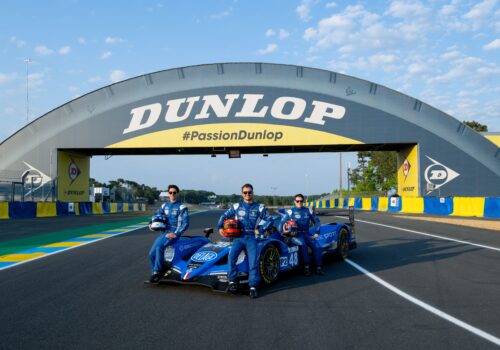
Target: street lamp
point(348, 179)
point(27, 61)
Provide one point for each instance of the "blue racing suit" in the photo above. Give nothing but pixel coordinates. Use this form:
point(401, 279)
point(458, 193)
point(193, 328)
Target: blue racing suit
point(178, 222)
point(303, 217)
point(249, 216)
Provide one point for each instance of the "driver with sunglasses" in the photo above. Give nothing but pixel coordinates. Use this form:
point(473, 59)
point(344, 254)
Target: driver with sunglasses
point(178, 222)
point(249, 214)
point(304, 217)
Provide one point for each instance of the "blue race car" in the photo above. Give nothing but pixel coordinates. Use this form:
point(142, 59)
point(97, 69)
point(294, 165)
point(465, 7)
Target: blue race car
point(196, 260)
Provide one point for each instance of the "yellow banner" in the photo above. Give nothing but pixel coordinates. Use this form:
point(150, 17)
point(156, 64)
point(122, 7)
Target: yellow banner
point(73, 177)
point(234, 135)
point(408, 172)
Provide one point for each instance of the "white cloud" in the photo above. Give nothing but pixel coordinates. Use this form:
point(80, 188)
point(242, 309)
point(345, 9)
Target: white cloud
point(382, 59)
point(18, 42)
point(283, 34)
point(96, 79)
point(270, 32)
point(270, 48)
point(447, 10)
point(222, 14)
point(417, 68)
point(310, 33)
point(304, 9)
point(5, 78)
point(313, 58)
point(36, 79)
point(105, 55)
point(117, 75)
point(330, 5)
point(495, 44)
point(82, 41)
point(480, 13)
point(114, 40)
point(407, 9)
point(42, 50)
point(64, 50)
point(450, 55)
point(471, 70)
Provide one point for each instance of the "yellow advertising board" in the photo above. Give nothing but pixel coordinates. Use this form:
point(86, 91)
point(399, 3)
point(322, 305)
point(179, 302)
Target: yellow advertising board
point(235, 135)
point(408, 172)
point(73, 177)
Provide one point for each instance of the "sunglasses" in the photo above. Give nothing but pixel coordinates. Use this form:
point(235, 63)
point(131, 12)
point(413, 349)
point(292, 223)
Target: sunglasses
point(247, 192)
point(299, 201)
point(173, 192)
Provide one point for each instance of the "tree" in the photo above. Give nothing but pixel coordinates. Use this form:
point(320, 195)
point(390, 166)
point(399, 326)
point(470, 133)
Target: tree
point(476, 126)
point(376, 171)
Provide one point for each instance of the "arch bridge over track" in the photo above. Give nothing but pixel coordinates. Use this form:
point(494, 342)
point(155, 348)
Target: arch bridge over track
point(239, 108)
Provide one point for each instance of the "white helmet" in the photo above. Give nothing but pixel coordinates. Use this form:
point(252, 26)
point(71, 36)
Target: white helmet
point(159, 222)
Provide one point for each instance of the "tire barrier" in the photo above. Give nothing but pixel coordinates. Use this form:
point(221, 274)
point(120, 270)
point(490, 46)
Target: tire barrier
point(488, 207)
point(22, 210)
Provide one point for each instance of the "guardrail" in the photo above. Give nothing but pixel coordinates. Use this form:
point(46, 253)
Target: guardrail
point(488, 207)
point(17, 210)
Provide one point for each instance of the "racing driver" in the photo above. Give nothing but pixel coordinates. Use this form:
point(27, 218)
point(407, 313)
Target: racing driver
point(178, 223)
point(248, 213)
point(304, 217)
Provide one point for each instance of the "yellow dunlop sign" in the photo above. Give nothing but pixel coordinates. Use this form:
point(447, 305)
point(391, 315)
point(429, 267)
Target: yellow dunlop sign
point(73, 177)
point(408, 172)
point(234, 135)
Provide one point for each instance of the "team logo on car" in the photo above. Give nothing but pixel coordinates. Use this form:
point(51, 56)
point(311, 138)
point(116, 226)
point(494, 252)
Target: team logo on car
point(438, 174)
point(204, 256)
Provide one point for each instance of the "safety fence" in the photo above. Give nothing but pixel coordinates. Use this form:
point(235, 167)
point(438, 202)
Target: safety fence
point(17, 210)
point(488, 207)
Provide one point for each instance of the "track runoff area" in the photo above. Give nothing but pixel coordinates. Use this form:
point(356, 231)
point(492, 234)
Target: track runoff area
point(409, 284)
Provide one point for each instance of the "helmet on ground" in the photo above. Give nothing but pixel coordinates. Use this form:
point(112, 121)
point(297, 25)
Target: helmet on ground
point(231, 228)
point(159, 222)
point(290, 228)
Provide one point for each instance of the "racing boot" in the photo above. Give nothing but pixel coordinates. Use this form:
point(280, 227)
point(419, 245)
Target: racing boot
point(307, 271)
point(155, 278)
point(233, 287)
point(253, 292)
point(319, 271)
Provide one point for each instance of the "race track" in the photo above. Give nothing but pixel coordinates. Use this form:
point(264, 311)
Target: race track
point(426, 292)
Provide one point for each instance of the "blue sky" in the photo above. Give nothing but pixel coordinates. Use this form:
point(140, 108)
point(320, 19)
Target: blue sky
point(444, 52)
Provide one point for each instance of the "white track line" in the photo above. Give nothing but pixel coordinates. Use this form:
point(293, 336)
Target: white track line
point(68, 248)
point(80, 245)
point(429, 235)
point(425, 306)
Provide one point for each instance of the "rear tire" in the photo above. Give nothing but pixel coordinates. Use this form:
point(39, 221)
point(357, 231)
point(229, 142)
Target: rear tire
point(343, 244)
point(269, 264)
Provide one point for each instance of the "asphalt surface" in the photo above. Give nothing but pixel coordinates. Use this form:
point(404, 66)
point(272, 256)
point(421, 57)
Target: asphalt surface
point(93, 297)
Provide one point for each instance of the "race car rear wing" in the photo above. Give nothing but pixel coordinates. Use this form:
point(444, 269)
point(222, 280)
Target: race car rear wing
point(347, 213)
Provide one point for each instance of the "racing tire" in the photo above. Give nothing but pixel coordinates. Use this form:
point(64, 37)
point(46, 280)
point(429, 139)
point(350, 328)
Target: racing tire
point(269, 264)
point(343, 244)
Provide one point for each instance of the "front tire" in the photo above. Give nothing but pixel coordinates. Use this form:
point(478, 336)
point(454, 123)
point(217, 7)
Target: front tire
point(269, 264)
point(343, 244)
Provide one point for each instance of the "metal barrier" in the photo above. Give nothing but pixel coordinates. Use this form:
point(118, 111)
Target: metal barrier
point(33, 191)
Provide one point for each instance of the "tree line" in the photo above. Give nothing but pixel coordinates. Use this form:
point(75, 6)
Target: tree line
point(127, 190)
